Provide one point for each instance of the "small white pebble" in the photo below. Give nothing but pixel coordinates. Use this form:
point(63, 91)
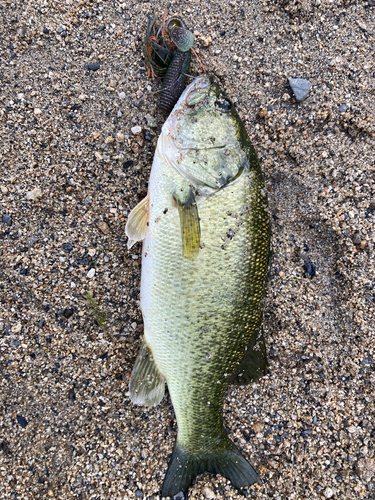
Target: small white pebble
point(91, 273)
point(122, 95)
point(136, 130)
point(34, 194)
point(328, 493)
point(208, 493)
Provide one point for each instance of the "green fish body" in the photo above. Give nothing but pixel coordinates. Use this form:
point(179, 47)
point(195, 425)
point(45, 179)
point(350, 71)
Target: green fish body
point(206, 246)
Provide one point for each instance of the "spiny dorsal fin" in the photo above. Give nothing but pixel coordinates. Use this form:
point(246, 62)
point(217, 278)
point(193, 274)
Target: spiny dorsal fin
point(147, 384)
point(137, 224)
point(189, 221)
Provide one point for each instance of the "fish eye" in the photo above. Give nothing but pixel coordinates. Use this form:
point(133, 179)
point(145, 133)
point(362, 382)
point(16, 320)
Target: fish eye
point(198, 93)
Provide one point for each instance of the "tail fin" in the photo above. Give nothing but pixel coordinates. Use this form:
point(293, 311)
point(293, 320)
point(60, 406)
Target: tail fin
point(184, 467)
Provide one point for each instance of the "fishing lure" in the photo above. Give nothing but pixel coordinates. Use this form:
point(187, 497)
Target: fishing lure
point(167, 49)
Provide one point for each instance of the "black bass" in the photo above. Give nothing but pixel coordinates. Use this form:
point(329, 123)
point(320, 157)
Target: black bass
point(206, 246)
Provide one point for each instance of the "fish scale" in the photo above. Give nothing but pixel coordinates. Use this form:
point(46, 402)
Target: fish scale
point(202, 309)
point(194, 300)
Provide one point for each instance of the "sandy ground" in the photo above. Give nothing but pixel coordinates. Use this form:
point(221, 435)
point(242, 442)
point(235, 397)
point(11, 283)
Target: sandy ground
point(67, 427)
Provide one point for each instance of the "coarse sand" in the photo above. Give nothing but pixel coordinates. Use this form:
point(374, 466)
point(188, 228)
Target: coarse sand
point(73, 84)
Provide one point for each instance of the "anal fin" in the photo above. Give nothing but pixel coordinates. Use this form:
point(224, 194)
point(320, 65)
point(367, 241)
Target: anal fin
point(253, 364)
point(137, 225)
point(190, 226)
point(147, 384)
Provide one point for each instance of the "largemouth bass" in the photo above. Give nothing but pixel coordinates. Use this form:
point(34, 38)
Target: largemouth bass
point(206, 244)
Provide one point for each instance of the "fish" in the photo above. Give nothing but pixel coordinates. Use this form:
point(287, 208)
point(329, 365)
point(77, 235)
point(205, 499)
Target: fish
point(205, 229)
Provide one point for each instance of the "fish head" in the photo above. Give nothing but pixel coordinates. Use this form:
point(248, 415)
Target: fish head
point(201, 138)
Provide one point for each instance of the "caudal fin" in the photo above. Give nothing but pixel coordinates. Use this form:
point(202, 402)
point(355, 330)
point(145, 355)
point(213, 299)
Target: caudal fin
point(184, 467)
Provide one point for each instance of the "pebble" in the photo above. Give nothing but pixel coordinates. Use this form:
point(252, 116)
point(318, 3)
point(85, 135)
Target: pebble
point(22, 421)
point(205, 41)
point(4, 189)
point(136, 130)
point(109, 140)
point(343, 108)
point(258, 427)
point(17, 328)
point(208, 493)
point(366, 468)
point(356, 238)
point(310, 269)
point(179, 496)
point(262, 113)
point(91, 273)
point(93, 66)
point(328, 493)
point(46, 31)
point(151, 121)
point(67, 312)
point(300, 87)
point(122, 95)
point(120, 137)
point(37, 111)
point(369, 360)
point(30, 242)
point(103, 226)
point(33, 195)
point(67, 247)
point(372, 205)
point(7, 219)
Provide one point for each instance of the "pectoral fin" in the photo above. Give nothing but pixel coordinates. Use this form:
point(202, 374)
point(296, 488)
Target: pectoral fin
point(137, 224)
point(253, 364)
point(190, 226)
point(147, 384)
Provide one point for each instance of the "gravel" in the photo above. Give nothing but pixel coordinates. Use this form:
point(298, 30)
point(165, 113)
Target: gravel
point(308, 425)
point(300, 87)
